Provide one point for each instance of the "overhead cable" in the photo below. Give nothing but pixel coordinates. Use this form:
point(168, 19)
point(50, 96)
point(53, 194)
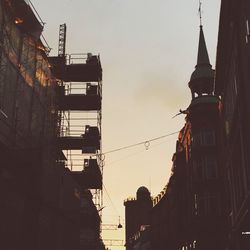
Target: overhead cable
point(111, 202)
point(145, 143)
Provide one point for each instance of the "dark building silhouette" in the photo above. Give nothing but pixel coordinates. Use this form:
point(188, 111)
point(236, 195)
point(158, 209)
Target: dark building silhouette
point(43, 204)
point(169, 213)
point(190, 213)
point(201, 139)
point(79, 95)
point(197, 183)
point(232, 84)
point(137, 215)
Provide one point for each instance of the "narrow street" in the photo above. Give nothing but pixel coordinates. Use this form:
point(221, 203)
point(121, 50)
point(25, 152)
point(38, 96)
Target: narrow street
point(124, 125)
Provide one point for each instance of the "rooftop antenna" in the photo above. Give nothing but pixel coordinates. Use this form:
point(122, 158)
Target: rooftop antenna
point(119, 225)
point(200, 12)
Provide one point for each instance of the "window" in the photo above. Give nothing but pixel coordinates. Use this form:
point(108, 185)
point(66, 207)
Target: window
point(247, 25)
point(194, 244)
point(210, 167)
point(196, 204)
point(206, 204)
point(213, 204)
point(205, 168)
point(247, 31)
point(200, 205)
point(231, 93)
point(238, 171)
point(203, 138)
point(196, 139)
point(208, 137)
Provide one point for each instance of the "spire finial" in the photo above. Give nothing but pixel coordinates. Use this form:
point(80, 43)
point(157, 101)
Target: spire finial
point(200, 12)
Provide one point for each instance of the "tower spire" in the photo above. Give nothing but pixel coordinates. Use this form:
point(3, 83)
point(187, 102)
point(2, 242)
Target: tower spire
point(201, 81)
point(200, 12)
point(202, 58)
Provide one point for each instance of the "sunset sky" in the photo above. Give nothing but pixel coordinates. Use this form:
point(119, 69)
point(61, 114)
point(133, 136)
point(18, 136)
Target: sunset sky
point(148, 50)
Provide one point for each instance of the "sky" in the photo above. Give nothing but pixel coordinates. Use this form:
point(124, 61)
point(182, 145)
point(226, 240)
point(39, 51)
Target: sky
point(148, 50)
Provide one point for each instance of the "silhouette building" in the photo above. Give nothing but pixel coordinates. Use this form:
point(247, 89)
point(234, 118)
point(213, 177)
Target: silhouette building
point(169, 227)
point(190, 213)
point(232, 84)
point(44, 203)
point(201, 139)
point(137, 215)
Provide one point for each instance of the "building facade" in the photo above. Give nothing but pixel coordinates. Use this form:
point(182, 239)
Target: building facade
point(232, 84)
point(37, 195)
point(202, 143)
point(43, 205)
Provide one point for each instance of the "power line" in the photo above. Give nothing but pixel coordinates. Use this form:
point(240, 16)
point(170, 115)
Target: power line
point(136, 153)
point(145, 143)
point(111, 202)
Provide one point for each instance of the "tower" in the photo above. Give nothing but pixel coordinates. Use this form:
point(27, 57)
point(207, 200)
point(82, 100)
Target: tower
point(202, 143)
point(137, 213)
point(202, 79)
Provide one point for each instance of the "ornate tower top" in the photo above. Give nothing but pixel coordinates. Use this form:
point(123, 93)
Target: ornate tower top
point(202, 79)
point(143, 194)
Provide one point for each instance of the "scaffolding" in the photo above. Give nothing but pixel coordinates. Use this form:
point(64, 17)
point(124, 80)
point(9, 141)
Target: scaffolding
point(24, 74)
point(79, 95)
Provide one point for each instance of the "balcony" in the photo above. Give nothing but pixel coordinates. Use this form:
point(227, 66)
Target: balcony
point(89, 101)
point(90, 177)
point(89, 142)
point(77, 68)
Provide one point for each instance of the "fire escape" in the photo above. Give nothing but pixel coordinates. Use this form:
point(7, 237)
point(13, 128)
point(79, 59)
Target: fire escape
point(79, 95)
